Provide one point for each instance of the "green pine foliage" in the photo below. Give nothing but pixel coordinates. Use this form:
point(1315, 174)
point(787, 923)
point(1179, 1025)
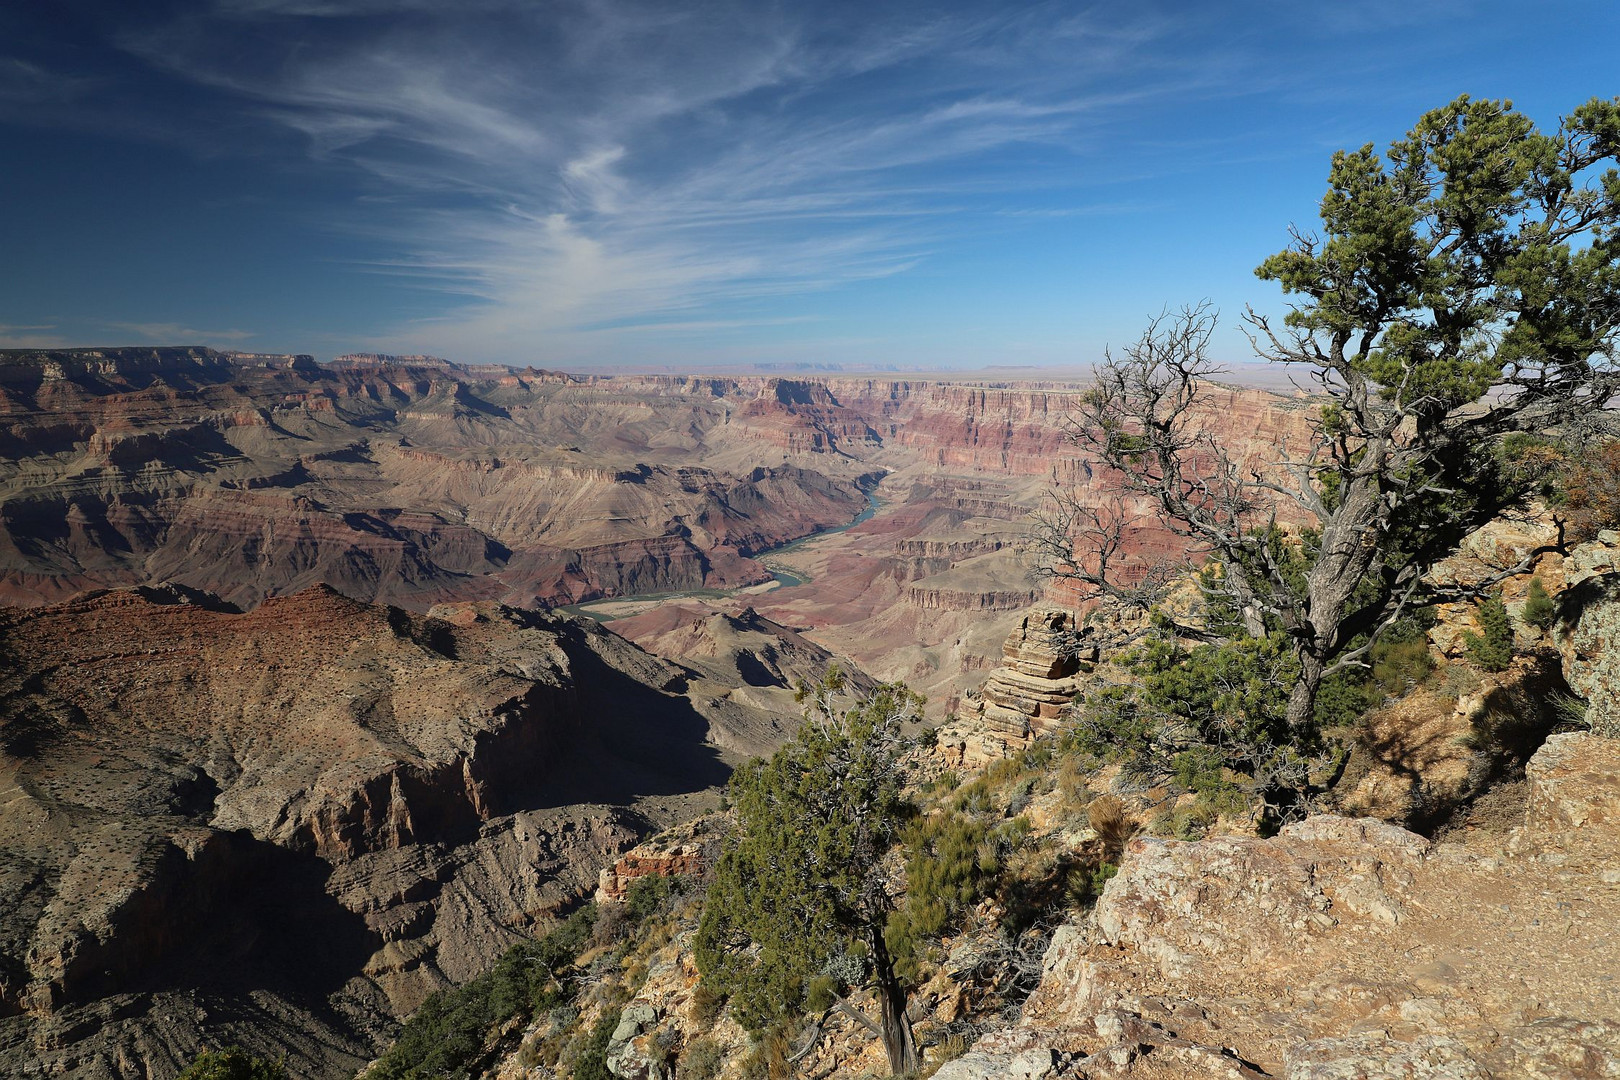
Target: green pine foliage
point(1538, 606)
point(953, 860)
point(1491, 650)
point(232, 1063)
point(789, 892)
point(797, 894)
point(1212, 717)
point(449, 1036)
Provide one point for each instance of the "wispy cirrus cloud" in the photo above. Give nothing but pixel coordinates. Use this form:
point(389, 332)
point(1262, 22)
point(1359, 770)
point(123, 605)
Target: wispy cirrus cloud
point(172, 333)
point(609, 163)
point(547, 182)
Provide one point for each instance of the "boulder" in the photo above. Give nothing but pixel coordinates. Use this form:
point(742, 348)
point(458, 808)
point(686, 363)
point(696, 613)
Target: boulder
point(1587, 630)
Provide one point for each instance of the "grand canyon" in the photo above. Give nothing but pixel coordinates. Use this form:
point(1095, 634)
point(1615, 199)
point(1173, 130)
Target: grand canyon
point(716, 541)
point(296, 661)
point(329, 683)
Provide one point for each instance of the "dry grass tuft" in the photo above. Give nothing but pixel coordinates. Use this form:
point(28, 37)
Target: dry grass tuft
point(1113, 825)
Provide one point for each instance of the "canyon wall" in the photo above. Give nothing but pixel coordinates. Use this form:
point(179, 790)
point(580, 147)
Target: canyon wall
point(413, 480)
point(285, 827)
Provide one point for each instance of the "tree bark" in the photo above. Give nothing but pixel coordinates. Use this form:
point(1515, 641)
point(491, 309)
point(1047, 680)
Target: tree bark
point(898, 1042)
point(1302, 698)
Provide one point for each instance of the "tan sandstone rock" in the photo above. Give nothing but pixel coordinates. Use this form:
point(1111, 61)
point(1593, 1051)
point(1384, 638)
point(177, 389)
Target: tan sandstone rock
point(1347, 949)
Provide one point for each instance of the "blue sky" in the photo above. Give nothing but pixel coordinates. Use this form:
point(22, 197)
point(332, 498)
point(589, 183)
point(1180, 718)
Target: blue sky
point(705, 185)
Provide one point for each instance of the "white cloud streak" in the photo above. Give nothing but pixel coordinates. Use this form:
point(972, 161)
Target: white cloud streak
point(172, 333)
point(612, 166)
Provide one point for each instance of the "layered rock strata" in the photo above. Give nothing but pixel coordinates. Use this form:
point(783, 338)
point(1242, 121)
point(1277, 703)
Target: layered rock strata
point(414, 480)
point(688, 850)
point(412, 483)
point(284, 828)
point(1034, 686)
point(1028, 695)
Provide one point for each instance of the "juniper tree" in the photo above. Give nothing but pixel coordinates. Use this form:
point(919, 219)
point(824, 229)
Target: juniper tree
point(1464, 291)
point(798, 895)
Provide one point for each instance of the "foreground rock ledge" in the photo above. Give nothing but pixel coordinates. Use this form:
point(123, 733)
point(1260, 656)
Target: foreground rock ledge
point(1347, 950)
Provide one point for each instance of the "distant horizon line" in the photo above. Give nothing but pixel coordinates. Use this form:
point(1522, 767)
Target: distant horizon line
point(774, 367)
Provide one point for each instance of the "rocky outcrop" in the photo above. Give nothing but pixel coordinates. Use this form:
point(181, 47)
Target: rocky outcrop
point(688, 849)
point(1035, 685)
point(285, 827)
point(1346, 948)
point(1588, 630)
point(1423, 757)
point(1026, 696)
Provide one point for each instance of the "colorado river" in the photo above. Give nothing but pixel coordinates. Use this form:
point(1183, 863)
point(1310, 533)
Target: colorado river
point(623, 606)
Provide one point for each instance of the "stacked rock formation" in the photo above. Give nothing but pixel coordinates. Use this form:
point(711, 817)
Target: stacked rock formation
point(1026, 697)
point(1033, 687)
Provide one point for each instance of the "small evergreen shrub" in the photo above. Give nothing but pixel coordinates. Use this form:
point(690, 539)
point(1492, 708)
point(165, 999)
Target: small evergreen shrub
point(592, 1061)
point(233, 1063)
point(1538, 606)
point(648, 896)
point(1491, 650)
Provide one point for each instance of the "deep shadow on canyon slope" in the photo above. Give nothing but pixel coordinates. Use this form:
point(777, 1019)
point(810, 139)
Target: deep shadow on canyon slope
point(285, 827)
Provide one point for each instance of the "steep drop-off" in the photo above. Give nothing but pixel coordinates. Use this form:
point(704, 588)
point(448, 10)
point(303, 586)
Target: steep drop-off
point(285, 827)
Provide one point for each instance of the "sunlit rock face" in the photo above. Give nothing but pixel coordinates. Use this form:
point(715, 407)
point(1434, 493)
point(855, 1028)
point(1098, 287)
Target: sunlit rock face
point(1346, 948)
point(1587, 630)
point(241, 756)
point(413, 480)
point(410, 483)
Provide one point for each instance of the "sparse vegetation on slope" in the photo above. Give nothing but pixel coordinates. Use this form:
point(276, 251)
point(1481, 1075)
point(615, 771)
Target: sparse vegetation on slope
point(232, 1063)
point(798, 896)
point(453, 1034)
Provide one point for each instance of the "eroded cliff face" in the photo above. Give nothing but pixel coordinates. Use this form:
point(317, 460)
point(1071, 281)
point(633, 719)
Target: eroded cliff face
point(285, 827)
point(409, 483)
point(413, 480)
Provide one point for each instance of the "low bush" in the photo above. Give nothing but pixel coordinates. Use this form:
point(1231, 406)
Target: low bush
point(1538, 606)
point(1112, 824)
point(591, 1064)
point(233, 1063)
point(1492, 649)
point(449, 1036)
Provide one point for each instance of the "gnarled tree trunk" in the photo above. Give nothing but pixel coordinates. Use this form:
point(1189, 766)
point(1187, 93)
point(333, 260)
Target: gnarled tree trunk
point(898, 1042)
